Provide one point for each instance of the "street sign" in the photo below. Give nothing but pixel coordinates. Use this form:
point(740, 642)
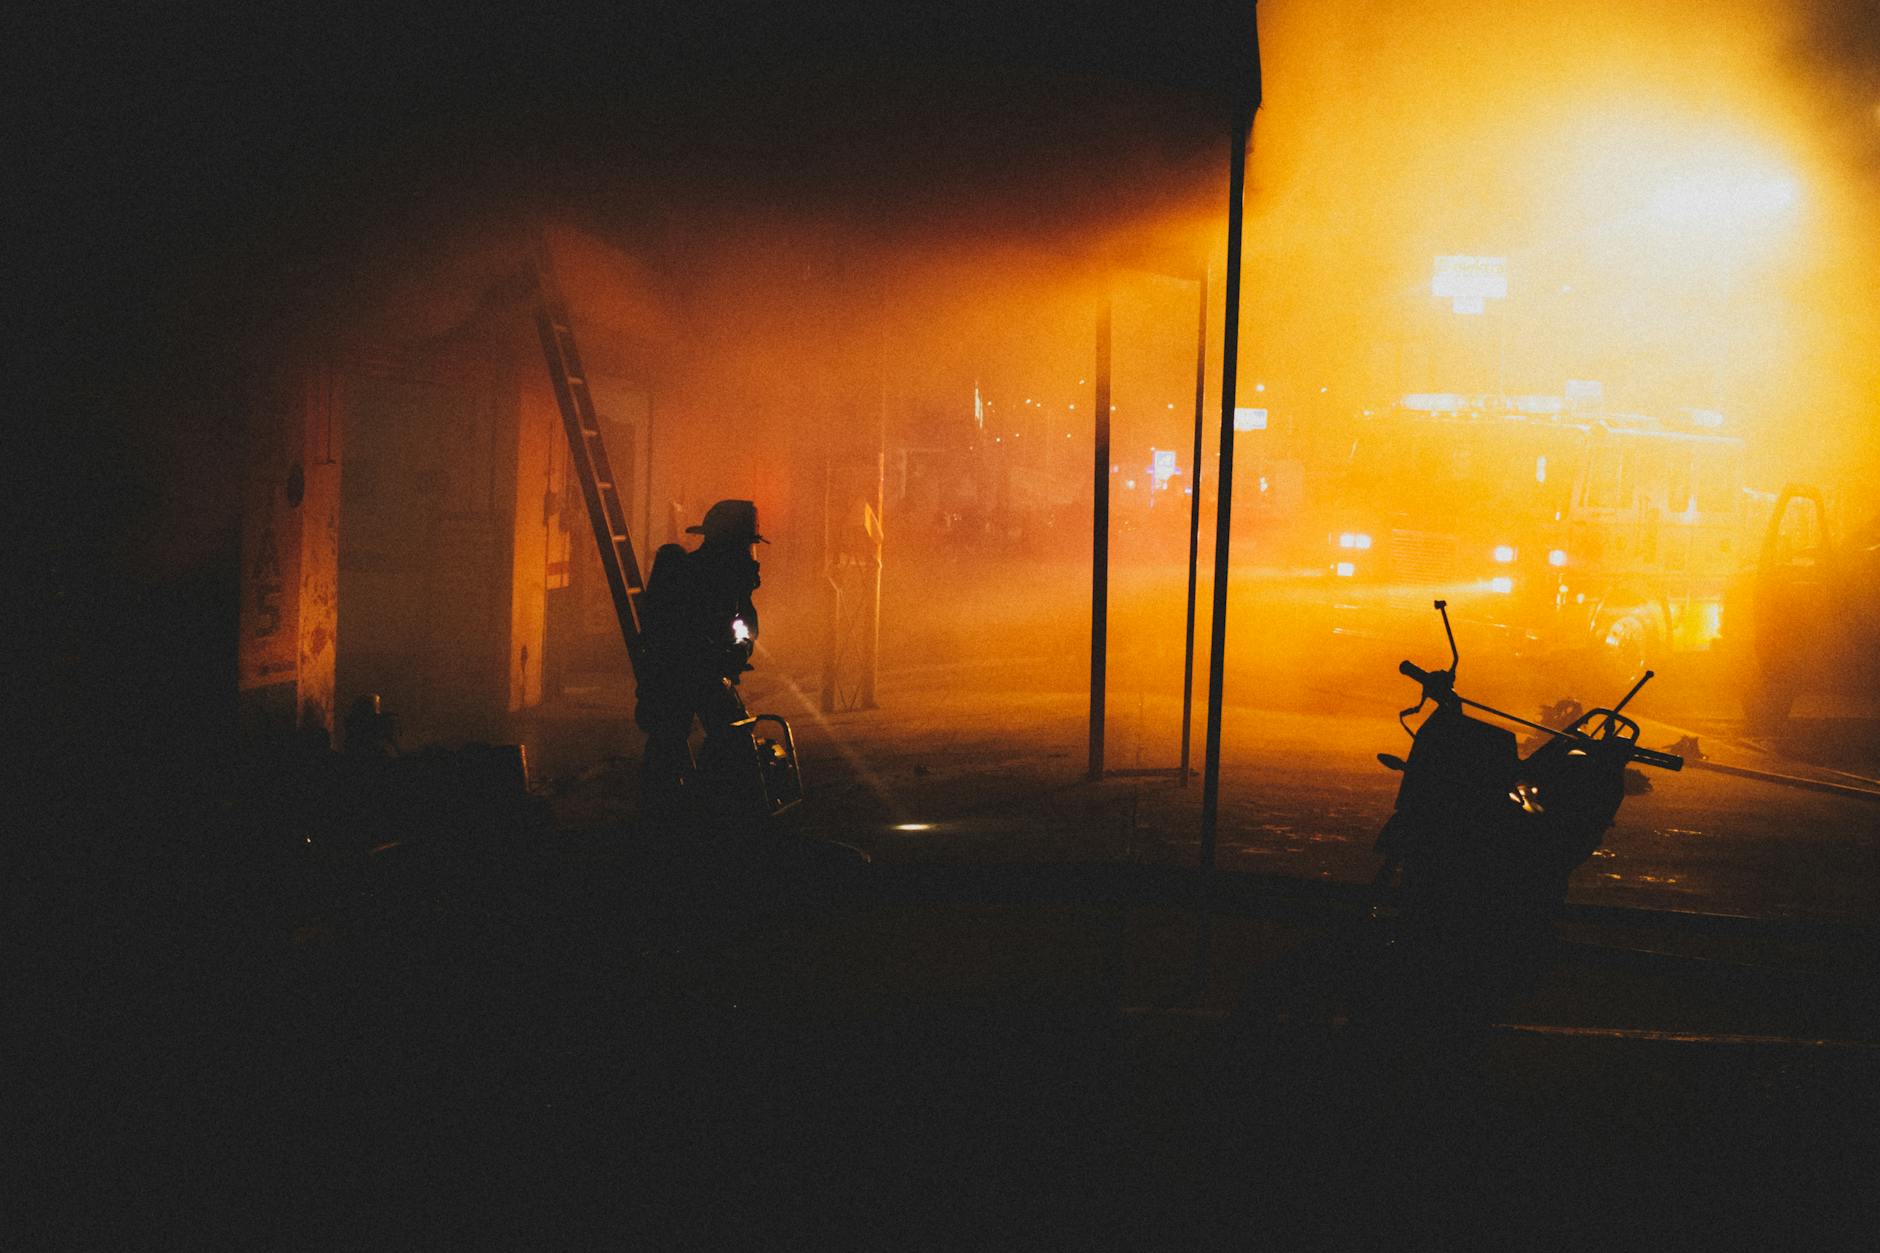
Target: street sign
point(1469, 283)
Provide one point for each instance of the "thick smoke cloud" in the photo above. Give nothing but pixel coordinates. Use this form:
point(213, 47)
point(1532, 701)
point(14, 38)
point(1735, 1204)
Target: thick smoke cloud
point(212, 185)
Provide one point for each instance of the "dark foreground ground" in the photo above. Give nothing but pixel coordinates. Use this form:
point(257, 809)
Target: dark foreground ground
point(546, 1024)
point(617, 1050)
point(603, 1035)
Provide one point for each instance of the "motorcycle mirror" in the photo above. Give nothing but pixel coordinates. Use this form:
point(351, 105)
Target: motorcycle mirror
point(1455, 658)
point(1643, 679)
point(1391, 761)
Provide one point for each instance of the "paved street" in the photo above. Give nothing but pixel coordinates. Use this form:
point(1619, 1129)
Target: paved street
point(966, 763)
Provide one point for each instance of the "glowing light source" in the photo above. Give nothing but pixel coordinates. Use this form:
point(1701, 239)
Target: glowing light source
point(1432, 402)
point(1345, 569)
point(1504, 553)
point(1162, 466)
point(1468, 283)
point(1723, 198)
point(1557, 558)
point(1249, 419)
point(912, 826)
point(1352, 539)
point(1501, 583)
point(740, 631)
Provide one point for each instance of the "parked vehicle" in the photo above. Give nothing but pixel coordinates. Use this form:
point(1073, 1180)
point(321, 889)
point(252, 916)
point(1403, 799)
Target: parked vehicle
point(1811, 608)
point(1608, 538)
point(1476, 860)
point(1479, 848)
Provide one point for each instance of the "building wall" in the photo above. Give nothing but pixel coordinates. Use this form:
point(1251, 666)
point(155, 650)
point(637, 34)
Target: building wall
point(425, 538)
point(533, 542)
point(290, 556)
point(454, 555)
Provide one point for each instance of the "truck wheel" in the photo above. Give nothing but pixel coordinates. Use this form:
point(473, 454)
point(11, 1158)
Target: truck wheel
point(1625, 642)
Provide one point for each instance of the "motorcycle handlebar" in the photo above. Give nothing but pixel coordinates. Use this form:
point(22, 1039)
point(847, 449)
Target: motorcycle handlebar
point(1652, 757)
point(1435, 684)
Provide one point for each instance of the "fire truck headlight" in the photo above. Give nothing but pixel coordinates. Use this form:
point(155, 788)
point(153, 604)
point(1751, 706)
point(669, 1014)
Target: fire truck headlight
point(1501, 583)
point(1557, 558)
point(1345, 569)
point(1353, 539)
point(1504, 553)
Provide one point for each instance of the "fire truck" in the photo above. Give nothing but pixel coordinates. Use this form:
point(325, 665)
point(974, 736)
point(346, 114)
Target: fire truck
point(1560, 530)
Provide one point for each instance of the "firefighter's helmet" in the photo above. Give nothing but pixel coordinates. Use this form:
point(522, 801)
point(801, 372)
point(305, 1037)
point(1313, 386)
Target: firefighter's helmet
point(734, 520)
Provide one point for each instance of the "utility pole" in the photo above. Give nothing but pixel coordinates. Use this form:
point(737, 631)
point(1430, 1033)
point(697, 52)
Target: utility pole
point(1100, 541)
point(1224, 507)
point(1194, 518)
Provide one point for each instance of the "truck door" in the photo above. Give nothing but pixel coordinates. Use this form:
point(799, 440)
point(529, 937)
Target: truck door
point(1792, 586)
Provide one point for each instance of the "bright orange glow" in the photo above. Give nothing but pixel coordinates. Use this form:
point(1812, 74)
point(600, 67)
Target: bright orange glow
point(1657, 306)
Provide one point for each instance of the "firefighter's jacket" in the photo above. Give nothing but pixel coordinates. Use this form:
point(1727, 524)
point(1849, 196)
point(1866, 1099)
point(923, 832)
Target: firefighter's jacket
point(696, 618)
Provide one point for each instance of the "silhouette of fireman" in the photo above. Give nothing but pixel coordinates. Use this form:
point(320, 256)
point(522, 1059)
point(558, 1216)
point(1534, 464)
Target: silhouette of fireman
point(699, 628)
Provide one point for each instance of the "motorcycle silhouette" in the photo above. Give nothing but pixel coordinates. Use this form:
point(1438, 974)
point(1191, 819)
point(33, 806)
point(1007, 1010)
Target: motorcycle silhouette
point(1476, 859)
point(1482, 837)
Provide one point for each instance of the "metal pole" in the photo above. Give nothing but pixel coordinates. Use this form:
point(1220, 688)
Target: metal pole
point(1100, 541)
point(1224, 511)
point(646, 511)
point(881, 502)
point(1194, 518)
point(832, 651)
point(1224, 507)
